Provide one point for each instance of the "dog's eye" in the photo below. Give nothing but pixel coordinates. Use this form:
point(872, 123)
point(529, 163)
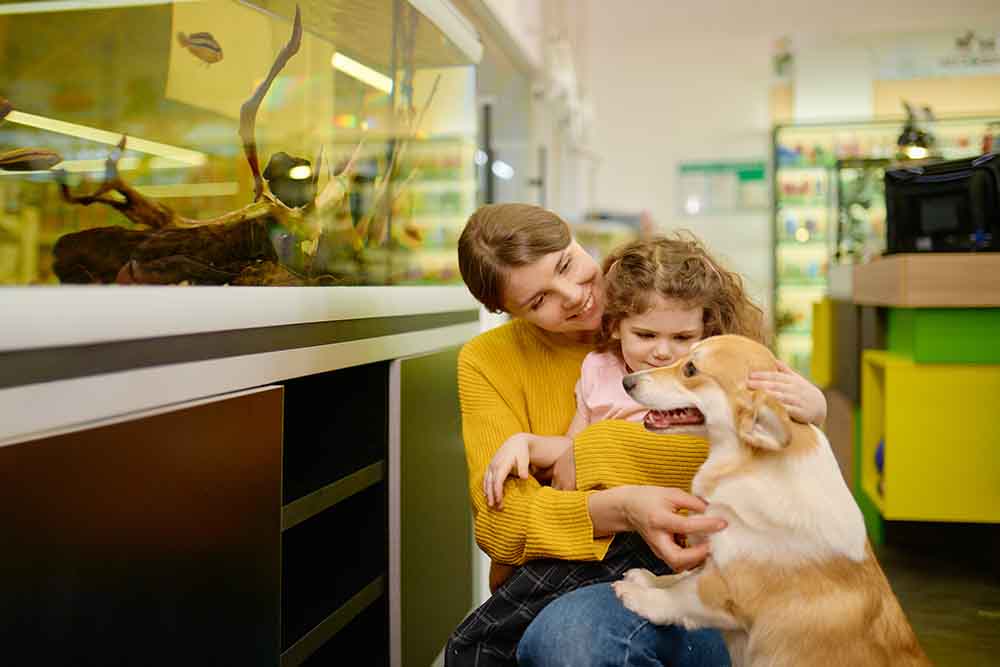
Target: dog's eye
point(689, 370)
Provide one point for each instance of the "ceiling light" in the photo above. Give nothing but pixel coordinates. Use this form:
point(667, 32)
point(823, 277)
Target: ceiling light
point(693, 205)
point(503, 170)
point(362, 73)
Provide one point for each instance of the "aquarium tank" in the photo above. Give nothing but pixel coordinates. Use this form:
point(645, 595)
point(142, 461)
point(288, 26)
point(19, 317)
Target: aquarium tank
point(214, 142)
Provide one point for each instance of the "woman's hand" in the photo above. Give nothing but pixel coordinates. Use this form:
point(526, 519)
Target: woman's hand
point(651, 511)
point(514, 453)
point(803, 400)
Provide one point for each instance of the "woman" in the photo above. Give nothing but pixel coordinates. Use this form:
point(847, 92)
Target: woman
point(519, 378)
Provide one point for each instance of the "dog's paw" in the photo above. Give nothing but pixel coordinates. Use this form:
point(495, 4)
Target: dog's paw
point(640, 599)
point(639, 576)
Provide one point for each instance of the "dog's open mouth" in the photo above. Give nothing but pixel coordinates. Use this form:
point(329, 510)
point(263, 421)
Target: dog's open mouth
point(659, 420)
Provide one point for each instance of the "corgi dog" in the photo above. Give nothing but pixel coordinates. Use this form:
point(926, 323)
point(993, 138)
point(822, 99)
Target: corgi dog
point(792, 580)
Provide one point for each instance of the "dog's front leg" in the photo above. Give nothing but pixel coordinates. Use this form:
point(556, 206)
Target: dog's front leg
point(676, 603)
point(647, 578)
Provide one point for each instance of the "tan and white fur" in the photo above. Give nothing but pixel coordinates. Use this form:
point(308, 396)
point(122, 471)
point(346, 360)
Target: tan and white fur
point(792, 580)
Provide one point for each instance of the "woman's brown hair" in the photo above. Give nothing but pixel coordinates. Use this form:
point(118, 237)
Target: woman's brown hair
point(499, 237)
point(676, 267)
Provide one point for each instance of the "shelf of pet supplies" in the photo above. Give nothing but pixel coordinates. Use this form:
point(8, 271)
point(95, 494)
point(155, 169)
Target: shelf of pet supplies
point(800, 284)
point(812, 244)
point(930, 441)
point(929, 280)
point(802, 203)
point(804, 167)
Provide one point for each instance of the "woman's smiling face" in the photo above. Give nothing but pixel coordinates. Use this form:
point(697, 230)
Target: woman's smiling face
point(562, 292)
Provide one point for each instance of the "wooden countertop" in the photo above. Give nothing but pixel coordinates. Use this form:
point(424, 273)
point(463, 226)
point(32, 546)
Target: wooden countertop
point(930, 280)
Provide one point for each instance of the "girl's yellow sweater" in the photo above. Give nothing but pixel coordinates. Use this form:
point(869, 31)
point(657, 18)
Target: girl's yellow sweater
point(518, 378)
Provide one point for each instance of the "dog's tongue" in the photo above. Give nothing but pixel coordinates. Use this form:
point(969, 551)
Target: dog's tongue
point(659, 419)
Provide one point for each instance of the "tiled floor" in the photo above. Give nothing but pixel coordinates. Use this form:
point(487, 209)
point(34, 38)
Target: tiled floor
point(948, 580)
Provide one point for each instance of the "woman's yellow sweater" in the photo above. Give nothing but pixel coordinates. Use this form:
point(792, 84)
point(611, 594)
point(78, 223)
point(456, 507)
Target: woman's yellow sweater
point(518, 378)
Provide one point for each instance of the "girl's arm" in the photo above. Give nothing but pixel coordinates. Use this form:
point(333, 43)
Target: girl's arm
point(616, 452)
point(804, 401)
point(520, 455)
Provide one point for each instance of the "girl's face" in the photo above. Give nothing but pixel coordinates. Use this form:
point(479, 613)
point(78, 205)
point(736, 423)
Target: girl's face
point(661, 335)
point(563, 292)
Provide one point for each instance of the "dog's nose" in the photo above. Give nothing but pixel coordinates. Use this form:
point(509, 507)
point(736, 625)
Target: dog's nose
point(628, 382)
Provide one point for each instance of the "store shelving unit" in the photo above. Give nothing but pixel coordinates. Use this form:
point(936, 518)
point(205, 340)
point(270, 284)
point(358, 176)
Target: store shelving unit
point(818, 171)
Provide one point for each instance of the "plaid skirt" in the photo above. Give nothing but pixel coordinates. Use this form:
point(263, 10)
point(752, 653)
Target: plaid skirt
point(488, 637)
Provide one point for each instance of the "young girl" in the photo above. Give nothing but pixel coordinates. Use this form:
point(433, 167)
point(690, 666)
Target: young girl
point(663, 295)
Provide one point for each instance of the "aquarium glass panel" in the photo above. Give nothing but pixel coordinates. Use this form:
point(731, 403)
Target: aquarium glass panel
point(214, 142)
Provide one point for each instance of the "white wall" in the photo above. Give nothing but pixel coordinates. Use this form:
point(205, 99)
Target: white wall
point(673, 81)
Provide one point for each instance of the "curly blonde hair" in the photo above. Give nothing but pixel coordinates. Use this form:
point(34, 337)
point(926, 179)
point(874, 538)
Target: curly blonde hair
point(676, 267)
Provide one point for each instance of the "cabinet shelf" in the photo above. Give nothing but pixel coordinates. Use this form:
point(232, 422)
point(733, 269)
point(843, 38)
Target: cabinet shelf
point(940, 434)
point(298, 511)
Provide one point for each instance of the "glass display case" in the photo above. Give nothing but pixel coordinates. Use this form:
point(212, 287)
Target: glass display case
point(218, 142)
point(829, 207)
point(860, 210)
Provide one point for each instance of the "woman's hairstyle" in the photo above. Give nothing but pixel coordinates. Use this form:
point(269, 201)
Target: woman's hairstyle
point(499, 237)
point(676, 267)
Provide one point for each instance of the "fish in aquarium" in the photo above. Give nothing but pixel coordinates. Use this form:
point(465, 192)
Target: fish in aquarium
point(29, 159)
point(202, 45)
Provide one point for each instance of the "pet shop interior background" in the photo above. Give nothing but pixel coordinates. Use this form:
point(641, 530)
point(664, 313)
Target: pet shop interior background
point(906, 350)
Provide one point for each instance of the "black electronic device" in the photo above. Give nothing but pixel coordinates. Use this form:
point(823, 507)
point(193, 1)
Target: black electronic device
point(949, 206)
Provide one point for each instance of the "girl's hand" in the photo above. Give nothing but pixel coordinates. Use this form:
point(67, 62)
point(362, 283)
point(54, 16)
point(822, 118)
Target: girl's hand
point(651, 511)
point(803, 400)
point(514, 453)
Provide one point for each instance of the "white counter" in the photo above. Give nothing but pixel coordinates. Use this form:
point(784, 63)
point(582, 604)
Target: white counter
point(78, 354)
point(34, 317)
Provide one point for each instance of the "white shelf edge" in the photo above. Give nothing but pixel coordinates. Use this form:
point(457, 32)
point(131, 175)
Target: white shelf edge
point(40, 317)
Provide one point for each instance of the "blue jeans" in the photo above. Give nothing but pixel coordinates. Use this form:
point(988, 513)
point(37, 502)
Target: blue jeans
point(590, 627)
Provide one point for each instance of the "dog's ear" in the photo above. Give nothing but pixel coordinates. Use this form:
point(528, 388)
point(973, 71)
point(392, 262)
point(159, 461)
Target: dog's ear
point(764, 423)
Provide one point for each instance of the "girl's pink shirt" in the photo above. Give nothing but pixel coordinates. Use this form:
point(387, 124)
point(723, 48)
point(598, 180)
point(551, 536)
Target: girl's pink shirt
point(599, 391)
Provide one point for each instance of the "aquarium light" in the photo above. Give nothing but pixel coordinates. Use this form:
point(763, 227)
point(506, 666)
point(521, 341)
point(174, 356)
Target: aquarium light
point(188, 157)
point(362, 73)
point(222, 189)
point(78, 5)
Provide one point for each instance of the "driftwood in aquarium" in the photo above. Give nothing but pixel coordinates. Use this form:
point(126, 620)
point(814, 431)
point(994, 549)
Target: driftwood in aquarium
point(210, 254)
point(95, 255)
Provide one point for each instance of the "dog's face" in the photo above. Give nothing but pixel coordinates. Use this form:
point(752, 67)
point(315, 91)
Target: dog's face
point(707, 388)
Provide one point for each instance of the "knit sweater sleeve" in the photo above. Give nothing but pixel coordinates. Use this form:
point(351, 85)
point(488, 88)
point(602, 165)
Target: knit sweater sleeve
point(536, 521)
point(617, 452)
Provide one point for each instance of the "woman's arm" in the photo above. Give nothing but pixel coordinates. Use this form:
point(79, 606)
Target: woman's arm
point(537, 521)
point(616, 452)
